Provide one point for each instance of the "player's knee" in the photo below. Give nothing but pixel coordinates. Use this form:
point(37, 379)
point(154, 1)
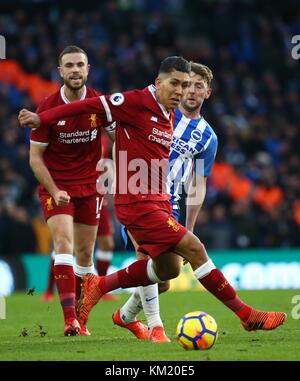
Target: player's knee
point(166, 274)
point(163, 287)
point(84, 251)
point(63, 244)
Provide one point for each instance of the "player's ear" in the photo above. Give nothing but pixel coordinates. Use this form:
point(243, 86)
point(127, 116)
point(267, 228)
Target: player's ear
point(157, 81)
point(208, 93)
point(59, 68)
point(88, 66)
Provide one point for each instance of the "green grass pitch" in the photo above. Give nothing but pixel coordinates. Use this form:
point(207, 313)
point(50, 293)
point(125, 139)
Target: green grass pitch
point(33, 330)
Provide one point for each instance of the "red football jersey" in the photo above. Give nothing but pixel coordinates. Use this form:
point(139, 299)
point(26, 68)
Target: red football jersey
point(73, 143)
point(143, 137)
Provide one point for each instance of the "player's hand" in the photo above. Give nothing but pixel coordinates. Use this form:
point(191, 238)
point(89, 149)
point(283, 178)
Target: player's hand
point(62, 198)
point(29, 119)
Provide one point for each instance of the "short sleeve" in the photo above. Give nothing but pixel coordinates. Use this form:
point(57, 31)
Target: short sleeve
point(122, 107)
point(207, 155)
point(40, 135)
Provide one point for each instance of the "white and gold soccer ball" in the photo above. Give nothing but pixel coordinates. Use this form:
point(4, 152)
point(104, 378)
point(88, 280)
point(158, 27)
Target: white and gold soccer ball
point(197, 330)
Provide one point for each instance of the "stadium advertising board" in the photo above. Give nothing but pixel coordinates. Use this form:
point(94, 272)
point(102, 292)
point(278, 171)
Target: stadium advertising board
point(246, 270)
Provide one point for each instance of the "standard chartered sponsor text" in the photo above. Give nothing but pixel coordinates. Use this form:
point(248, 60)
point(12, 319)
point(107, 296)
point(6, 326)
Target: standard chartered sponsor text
point(77, 136)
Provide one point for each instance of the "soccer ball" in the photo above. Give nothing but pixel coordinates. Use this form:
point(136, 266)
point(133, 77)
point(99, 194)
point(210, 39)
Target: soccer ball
point(197, 330)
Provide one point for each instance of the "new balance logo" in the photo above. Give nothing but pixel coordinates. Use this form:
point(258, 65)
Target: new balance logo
point(61, 123)
point(153, 119)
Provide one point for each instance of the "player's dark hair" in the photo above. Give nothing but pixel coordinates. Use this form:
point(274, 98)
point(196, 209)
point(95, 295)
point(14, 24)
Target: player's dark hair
point(71, 49)
point(174, 63)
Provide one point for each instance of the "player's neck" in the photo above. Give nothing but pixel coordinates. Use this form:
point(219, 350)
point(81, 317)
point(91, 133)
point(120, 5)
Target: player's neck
point(73, 95)
point(195, 114)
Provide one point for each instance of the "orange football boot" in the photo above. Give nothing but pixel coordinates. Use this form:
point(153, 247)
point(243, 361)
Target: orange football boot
point(264, 320)
point(84, 331)
point(83, 328)
point(72, 327)
point(110, 297)
point(158, 335)
point(48, 296)
point(139, 329)
point(90, 295)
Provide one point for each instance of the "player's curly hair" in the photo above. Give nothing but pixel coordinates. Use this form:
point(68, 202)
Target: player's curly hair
point(70, 49)
point(174, 63)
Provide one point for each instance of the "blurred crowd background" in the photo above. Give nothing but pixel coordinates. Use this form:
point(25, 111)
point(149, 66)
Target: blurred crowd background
point(253, 196)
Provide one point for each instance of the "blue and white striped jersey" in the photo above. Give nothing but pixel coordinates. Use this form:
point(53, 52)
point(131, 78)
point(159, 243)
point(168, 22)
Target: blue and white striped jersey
point(193, 147)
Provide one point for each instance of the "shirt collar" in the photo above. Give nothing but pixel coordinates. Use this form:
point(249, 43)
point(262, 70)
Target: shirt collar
point(65, 99)
point(152, 90)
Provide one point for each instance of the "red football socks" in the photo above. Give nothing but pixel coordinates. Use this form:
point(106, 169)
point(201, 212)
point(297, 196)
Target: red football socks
point(65, 283)
point(102, 266)
point(78, 282)
point(216, 283)
point(132, 276)
point(51, 280)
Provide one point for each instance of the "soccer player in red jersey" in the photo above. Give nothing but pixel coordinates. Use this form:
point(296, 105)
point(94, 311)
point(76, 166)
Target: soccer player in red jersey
point(143, 137)
point(193, 140)
point(63, 157)
point(105, 240)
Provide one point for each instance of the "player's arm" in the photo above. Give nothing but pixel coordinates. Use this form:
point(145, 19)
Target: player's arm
point(42, 174)
point(202, 166)
point(117, 107)
point(110, 131)
point(195, 197)
point(49, 117)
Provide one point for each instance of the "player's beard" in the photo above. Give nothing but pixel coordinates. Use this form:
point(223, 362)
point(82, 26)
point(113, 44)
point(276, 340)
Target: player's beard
point(191, 108)
point(71, 87)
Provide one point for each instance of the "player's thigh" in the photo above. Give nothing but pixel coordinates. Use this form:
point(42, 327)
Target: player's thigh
point(192, 250)
point(61, 229)
point(139, 254)
point(84, 241)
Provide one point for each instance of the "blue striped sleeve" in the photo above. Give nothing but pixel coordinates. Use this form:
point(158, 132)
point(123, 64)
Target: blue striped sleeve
point(208, 155)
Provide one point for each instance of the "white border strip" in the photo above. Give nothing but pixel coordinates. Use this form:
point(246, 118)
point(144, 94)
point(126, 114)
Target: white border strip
point(106, 108)
point(38, 143)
